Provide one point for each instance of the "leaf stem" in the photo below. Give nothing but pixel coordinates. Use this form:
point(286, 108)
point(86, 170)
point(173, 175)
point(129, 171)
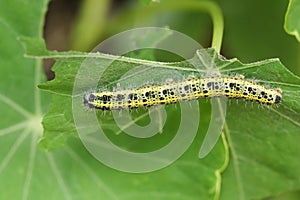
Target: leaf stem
point(218, 27)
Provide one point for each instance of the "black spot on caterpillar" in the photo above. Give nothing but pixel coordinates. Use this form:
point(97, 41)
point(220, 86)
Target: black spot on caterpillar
point(189, 89)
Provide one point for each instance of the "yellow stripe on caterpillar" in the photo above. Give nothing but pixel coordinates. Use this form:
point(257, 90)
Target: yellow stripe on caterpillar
point(185, 90)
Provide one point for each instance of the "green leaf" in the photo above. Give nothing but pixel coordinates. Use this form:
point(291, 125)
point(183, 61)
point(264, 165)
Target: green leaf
point(21, 103)
point(292, 22)
point(71, 172)
point(59, 120)
point(263, 141)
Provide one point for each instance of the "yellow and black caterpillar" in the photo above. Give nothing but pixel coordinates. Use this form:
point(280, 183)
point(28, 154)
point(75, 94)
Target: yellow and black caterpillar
point(185, 90)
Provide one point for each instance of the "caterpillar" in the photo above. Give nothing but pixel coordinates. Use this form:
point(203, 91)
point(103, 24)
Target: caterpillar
point(188, 89)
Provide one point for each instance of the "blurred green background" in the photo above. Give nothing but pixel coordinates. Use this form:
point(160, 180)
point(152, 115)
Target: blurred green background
point(253, 29)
